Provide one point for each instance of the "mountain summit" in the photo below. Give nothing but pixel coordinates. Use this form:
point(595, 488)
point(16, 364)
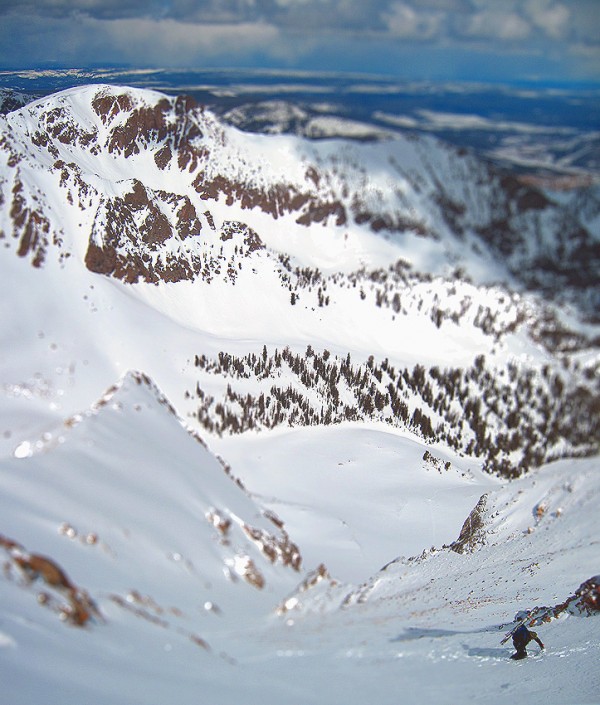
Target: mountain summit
point(155, 179)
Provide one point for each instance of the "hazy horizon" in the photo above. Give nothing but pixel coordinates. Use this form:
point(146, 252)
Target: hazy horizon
point(542, 42)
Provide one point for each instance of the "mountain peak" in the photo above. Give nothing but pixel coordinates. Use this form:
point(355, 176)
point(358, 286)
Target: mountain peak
point(437, 206)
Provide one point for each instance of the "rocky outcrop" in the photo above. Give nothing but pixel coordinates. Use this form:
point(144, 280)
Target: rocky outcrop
point(585, 602)
point(250, 241)
point(31, 227)
point(129, 231)
point(276, 200)
point(72, 603)
point(58, 124)
point(276, 549)
point(134, 127)
point(152, 236)
point(472, 533)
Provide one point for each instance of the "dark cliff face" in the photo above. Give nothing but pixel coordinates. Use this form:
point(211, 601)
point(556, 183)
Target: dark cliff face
point(12, 100)
point(540, 241)
point(142, 126)
point(129, 234)
point(31, 228)
point(129, 231)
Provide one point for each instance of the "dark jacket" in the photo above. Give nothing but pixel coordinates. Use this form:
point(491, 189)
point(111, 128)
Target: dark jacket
point(523, 636)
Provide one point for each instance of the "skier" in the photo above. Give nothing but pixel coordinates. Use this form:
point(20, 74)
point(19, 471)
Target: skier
point(521, 637)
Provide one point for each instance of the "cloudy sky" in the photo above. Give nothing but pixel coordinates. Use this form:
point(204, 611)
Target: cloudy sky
point(498, 40)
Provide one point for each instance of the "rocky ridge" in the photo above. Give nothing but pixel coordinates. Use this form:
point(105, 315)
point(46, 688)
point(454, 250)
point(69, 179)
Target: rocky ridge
point(89, 138)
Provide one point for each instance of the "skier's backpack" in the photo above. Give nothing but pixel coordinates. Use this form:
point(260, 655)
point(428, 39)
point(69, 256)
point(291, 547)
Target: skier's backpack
point(521, 637)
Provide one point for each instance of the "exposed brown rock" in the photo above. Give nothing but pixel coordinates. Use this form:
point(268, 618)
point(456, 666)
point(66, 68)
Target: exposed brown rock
point(187, 222)
point(278, 200)
point(155, 228)
point(233, 228)
point(107, 105)
point(472, 532)
point(185, 104)
point(209, 219)
point(585, 602)
point(320, 212)
point(36, 566)
point(7, 543)
point(129, 232)
point(169, 122)
point(163, 157)
point(100, 261)
point(276, 548)
point(144, 125)
point(31, 227)
point(588, 595)
point(252, 575)
point(220, 522)
point(78, 607)
point(59, 125)
point(190, 156)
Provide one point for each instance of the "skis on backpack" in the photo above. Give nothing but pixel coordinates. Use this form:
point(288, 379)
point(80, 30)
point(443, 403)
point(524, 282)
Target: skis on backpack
point(535, 616)
point(520, 623)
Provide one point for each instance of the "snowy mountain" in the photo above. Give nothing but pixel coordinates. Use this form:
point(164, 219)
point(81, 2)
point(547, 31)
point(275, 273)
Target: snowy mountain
point(543, 132)
point(419, 190)
point(242, 373)
point(401, 251)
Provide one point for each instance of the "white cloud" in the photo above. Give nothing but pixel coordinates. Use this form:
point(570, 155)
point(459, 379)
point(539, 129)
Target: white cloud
point(172, 42)
point(552, 18)
point(329, 33)
point(402, 20)
point(494, 23)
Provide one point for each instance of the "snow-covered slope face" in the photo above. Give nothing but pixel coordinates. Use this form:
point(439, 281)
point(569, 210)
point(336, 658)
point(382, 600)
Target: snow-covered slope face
point(184, 584)
point(335, 396)
point(440, 617)
point(278, 241)
point(156, 492)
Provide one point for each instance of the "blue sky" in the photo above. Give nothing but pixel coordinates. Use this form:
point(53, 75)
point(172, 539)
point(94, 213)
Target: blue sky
point(545, 41)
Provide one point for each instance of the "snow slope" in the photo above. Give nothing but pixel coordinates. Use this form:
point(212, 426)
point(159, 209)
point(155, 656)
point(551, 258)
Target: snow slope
point(186, 560)
point(134, 529)
point(401, 504)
